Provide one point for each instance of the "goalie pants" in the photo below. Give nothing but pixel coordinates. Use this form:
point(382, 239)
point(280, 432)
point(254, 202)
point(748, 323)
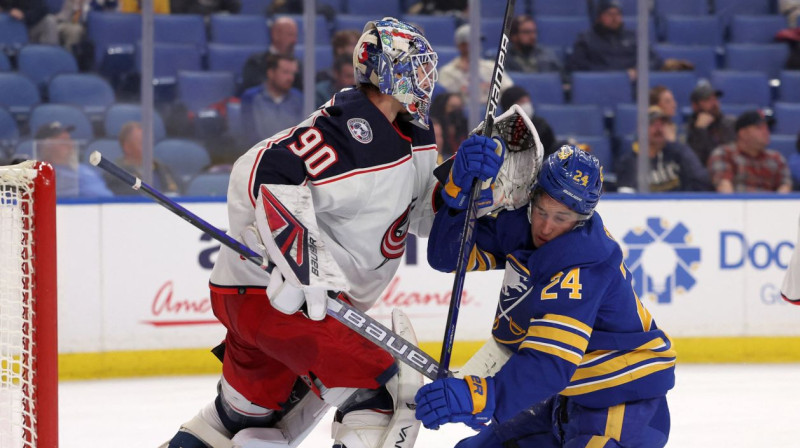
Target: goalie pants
point(560, 422)
point(266, 350)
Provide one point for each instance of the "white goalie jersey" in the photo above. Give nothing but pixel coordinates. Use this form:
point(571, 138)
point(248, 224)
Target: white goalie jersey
point(371, 183)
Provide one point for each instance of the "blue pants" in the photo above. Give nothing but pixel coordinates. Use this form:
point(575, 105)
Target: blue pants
point(561, 423)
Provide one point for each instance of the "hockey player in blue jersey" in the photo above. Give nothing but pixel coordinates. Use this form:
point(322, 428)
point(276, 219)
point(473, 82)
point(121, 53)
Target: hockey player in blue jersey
point(587, 366)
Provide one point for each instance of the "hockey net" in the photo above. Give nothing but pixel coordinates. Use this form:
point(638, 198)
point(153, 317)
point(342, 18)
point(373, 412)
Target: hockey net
point(28, 311)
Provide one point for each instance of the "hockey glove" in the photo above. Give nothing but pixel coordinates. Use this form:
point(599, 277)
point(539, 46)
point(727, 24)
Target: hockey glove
point(477, 157)
point(470, 400)
point(288, 298)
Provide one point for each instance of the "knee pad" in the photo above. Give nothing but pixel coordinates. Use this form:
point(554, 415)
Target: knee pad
point(237, 412)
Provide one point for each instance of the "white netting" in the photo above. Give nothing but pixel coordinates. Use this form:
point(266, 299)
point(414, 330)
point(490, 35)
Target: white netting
point(17, 415)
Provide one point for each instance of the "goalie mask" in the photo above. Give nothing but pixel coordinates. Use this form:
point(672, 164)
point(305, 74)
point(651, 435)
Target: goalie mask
point(574, 178)
point(397, 59)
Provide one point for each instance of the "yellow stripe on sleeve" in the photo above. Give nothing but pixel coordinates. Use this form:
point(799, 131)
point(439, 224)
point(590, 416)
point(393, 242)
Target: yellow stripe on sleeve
point(567, 321)
point(620, 363)
point(557, 334)
point(597, 442)
point(623, 378)
point(554, 350)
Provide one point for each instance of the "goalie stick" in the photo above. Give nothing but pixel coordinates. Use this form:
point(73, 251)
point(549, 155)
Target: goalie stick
point(351, 317)
point(471, 216)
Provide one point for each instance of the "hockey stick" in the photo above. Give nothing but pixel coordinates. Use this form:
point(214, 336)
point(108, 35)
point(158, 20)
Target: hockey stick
point(471, 216)
point(348, 315)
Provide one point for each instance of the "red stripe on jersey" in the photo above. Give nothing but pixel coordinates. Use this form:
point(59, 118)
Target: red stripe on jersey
point(793, 302)
point(400, 133)
point(362, 171)
point(432, 147)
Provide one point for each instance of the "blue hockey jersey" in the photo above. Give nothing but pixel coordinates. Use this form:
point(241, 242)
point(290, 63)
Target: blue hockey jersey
point(567, 310)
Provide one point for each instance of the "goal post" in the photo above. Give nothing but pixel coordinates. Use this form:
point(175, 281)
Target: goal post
point(28, 307)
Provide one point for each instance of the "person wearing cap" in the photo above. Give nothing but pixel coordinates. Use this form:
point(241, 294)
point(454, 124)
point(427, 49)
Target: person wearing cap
point(524, 54)
point(673, 165)
point(708, 127)
point(662, 97)
point(454, 76)
point(746, 165)
point(55, 146)
point(130, 140)
point(608, 45)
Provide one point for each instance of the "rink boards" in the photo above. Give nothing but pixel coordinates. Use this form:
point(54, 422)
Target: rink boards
point(133, 296)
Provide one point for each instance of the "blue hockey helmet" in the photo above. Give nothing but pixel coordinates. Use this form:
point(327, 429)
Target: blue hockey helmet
point(572, 177)
point(396, 58)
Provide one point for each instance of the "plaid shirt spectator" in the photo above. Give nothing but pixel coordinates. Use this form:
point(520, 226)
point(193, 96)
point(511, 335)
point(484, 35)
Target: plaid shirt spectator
point(765, 171)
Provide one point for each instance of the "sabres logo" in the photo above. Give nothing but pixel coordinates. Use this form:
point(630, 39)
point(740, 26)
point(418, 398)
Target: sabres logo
point(564, 152)
point(360, 130)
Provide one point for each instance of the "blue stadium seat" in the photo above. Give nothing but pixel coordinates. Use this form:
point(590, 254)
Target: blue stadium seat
point(568, 119)
point(66, 114)
point(255, 7)
point(625, 119)
point(91, 92)
point(490, 32)
point(787, 118)
point(9, 132)
point(377, 9)
point(704, 57)
point(19, 94)
point(726, 9)
point(54, 6)
point(600, 146)
point(13, 34)
point(119, 114)
point(768, 58)
point(323, 56)
point(786, 144)
point(601, 88)
point(439, 30)
point(224, 57)
point(239, 29)
point(168, 60)
point(789, 89)
point(337, 5)
point(632, 22)
point(354, 22)
point(560, 31)
point(180, 29)
point(41, 62)
point(736, 109)
point(5, 64)
point(680, 83)
point(113, 35)
point(209, 184)
point(692, 30)
point(680, 7)
point(490, 9)
point(742, 87)
point(185, 158)
point(554, 8)
point(200, 89)
point(755, 29)
point(446, 54)
point(108, 147)
point(322, 35)
point(544, 88)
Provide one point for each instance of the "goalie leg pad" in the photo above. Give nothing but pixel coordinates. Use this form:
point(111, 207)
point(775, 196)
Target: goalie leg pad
point(205, 429)
point(485, 362)
point(368, 428)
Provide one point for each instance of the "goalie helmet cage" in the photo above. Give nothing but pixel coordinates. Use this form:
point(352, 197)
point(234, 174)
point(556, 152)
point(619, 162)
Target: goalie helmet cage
point(28, 307)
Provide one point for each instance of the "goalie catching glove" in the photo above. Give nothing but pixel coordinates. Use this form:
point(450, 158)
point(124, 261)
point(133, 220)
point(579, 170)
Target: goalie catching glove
point(470, 400)
point(304, 269)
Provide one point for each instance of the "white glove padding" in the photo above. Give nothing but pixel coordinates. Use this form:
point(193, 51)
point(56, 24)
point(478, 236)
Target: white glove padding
point(252, 240)
point(305, 270)
point(288, 298)
point(521, 164)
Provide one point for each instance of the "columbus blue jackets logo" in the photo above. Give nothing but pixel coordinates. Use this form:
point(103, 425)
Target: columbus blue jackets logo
point(661, 259)
point(393, 244)
point(360, 129)
point(289, 234)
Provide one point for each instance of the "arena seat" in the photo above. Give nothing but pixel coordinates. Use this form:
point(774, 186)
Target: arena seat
point(67, 115)
point(239, 29)
point(601, 88)
point(768, 58)
point(704, 57)
point(544, 88)
point(742, 87)
point(755, 29)
point(209, 184)
point(89, 91)
point(692, 30)
point(570, 119)
point(40, 63)
point(119, 114)
point(185, 158)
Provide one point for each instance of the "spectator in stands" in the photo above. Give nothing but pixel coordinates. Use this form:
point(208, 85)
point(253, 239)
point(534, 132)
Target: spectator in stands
point(130, 139)
point(282, 38)
point(71, 19)
point(449, 123)
point(791, 9)
point(608, 46)
point(296, 7)
point(673, 165)
point(42, 27)
point(454, 76)
point(455, 7)
point(342, 44)
point(135, 6)
point(708, 127)
point(204, 7)
point(518, 95)
point(274, 105)
point(662, 97)
point(73, 179)
point(344, 76)
point(746, 165)
point(524, 54)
